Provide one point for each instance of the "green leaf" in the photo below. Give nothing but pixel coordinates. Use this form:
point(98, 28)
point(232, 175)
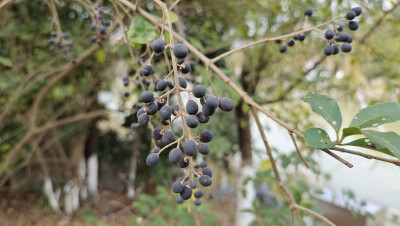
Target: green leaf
point(204, 207)
point(318, 138)
point(90, 218)
point(326, 107)
point(186, 220)
point(389, 140)
point(141, 31)
point(366, 143)
point(209, 219)
point(102, 223)
point(161, 193)
point(142, 207)
point(376, 115)
point(158, 221)
point(174, 17)
point(349, 131)
point(148, 199)
point(101, 55)
point(6, 62)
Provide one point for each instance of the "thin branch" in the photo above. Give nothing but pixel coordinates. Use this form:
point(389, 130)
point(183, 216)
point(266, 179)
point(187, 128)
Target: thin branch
point(281, 184)
point(367, 156)
point(173, 5)
point(298, 150)
point(338, 158)
point(322, 218)
point(215, 59)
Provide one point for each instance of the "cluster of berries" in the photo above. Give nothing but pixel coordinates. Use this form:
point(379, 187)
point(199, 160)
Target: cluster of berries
point(191, 113)
point(99, 23)
point(61, 42)
point(338, 35)
point(334, 36)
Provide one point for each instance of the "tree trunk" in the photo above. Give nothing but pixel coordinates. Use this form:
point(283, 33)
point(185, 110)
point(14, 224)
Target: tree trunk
point(244, 133)
point(246, 170)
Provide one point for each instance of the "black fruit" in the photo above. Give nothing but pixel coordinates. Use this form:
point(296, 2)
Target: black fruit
point(152, 159)
point(199, 91)
point(190, 147)
point(186, 68)
point(205, 180)
point(308, 11)
point(165, 112)
point(357, 10)
point(179, 200)
point(192, 121)
point(212, 101)
point(197, 202)
point(346, 47)
point(151, 109)
point(143, 120)
point(206, 171)
point(182, 82)
point(206, 136)
point(180, 51)
point(353, 25)
point(175, 155)
point(147, 97)
point(282, 48)
point(186, 193)
point(158, 45)
point(203, 148)
point(167, 137)
point(350, 15)
point(203, 164)
point(329, 34)
point(202, 117)
point(191, 107)
point(177, 187)
point(198, 194)
point(328, 50)
point(226, 104)
point(147, 70)
point(161, 85)
point(157, 135)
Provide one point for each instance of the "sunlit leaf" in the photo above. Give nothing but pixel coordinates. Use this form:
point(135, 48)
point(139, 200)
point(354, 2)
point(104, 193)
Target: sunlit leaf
point(376, 115)
point(318, 138)
point(326, 107)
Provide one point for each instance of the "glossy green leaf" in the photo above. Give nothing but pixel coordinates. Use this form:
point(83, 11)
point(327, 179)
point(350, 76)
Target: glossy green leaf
point(326, 107)
point(366, 143)
point(376, 115)
point(318, 138)
point(389, 140)
point(349, 131)
point(141, 31)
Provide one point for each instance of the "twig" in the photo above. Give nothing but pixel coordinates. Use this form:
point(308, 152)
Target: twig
point(338, 158)
point(297, 149)
point(281, 184)
point(215, 59)
point(319, 216)
point(173, 5)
